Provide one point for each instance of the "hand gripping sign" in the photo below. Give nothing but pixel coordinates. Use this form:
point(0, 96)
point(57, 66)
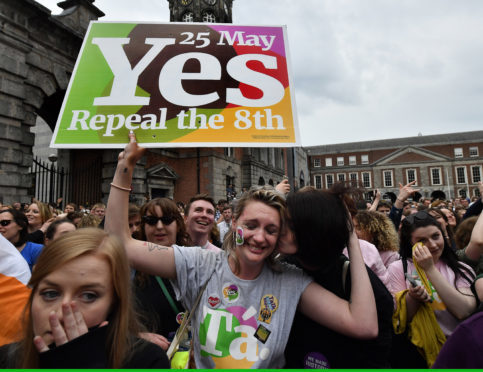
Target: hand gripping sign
point(179, 84)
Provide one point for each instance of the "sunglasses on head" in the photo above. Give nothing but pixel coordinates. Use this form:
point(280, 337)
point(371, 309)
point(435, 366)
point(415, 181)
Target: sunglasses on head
point(420, 216)
point(153, 220)
point(5, 222)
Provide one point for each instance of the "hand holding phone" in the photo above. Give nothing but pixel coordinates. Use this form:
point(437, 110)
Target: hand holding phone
point(411, 280)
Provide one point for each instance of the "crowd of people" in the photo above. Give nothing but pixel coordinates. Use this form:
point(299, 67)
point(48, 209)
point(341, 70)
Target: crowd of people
point(272, 279)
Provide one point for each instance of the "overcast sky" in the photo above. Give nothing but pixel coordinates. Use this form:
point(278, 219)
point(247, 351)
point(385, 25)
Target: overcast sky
point(365, 69)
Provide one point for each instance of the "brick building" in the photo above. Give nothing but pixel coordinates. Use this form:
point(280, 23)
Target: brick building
point(443, 166)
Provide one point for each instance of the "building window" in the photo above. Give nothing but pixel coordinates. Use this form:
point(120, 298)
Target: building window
point(188, 17)
point(352, 160)
point(229, 151)
point(476, 173)
point(353, 176)
point(366, 179)
point(474, 151)
point(435, 176)
point(318, 182)
point(462, 193)
point(458, 152)
point(328, 162)
point(341, 177)
point(317, 162)
point(387, 176)
point(411, 176)
point(364, 159)
point(476, 192)
point(329, 180)
point(460, 175)
point(209, 17)
point(340, 161)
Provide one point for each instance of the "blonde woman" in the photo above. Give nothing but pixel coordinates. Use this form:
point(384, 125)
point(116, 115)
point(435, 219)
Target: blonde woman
point(246, 311)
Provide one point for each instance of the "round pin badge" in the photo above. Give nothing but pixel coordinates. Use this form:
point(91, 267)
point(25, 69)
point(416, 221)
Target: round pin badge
point(231, 293)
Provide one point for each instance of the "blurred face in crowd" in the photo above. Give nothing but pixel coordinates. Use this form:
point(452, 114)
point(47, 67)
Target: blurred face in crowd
point(62, 229)
point(450, 216)
point(384, 210)
point(33, 215)
point(134, 223)
point(160, 231)
point(99, 212)
point(87, 280)
point(9, 228)
point(69, 208)
point(227, 214)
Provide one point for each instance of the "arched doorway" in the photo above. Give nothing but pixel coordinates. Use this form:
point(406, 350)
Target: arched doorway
point(438, 194)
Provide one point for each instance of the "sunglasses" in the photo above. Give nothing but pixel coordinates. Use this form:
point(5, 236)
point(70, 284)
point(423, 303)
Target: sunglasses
point(5, 222)
point(153, 220)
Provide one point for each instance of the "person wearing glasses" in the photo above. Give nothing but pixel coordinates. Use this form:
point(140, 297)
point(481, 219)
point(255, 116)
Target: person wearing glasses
point(14, 227)
point(449, 280)
point(162, 224)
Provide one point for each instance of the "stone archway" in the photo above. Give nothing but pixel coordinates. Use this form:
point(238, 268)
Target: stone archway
point(36, 71)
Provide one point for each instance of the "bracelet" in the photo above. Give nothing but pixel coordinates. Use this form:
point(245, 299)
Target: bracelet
point(120, 187)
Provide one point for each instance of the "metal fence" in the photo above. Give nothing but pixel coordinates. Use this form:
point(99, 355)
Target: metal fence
point(49, 182)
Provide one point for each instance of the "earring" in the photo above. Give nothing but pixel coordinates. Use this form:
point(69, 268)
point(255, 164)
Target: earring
point(239, 236)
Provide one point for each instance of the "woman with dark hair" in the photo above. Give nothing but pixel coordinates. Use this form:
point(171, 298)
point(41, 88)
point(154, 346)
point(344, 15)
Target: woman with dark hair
point(321, 222)
point(14, 227)
point(79, 313)
point(161, 223)
point(428, 263)
point(58, 228)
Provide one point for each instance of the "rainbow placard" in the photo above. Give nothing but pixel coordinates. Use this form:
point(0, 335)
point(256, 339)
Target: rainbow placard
point(179, 85)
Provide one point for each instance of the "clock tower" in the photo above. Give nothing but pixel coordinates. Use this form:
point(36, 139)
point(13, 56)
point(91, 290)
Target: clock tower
point(210, 11)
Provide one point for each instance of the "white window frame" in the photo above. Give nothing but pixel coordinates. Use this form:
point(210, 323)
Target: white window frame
point(356, 178)
point(318, 181)
point(384, 178)
point(340, 161)
point(370, 181)
point(472, 174)
point(339, 178)
point(432, 177)
point(326, 181)
point(364, 159)
point(473, 151)
point(415, 175)
point(352, 160)
point(456, 175)
point(316, 162)
point(328, 162)
point(458, 152)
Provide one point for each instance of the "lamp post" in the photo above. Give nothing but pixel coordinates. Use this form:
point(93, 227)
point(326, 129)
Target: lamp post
point(52, 158)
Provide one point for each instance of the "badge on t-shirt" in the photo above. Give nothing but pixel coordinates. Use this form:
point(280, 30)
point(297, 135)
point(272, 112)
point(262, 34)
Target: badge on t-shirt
point(268, 305)
point(231, 293)
point(262, 333)
point(180, 317)
point(214, 301)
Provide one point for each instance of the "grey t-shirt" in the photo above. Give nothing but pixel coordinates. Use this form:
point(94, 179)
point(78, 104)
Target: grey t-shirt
point(238, 323)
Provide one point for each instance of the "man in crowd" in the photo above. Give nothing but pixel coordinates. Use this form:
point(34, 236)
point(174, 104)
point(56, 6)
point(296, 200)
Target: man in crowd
point(225, 225)
point(200, 218)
